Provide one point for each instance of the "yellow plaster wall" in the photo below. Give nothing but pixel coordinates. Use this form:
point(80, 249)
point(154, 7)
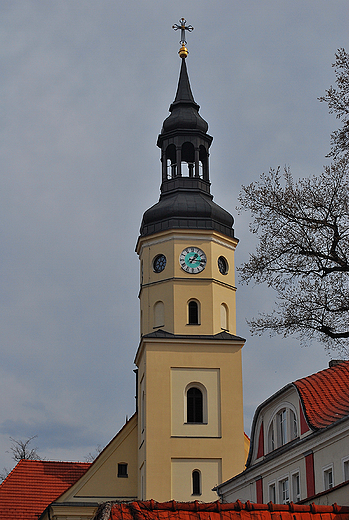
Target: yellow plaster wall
point(210, 469)
point(174, 287)
point(101, 482)
point(155, 360)
point(208, 379)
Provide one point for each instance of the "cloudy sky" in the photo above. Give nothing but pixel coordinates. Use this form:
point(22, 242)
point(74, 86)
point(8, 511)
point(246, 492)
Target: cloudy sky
point(84, 88)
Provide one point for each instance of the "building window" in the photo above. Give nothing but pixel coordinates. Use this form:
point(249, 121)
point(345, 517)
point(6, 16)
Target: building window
point(193, 313)
point(346, 469)
point(296, 488)
point(272, 493)
point(222, 265)
point(122, 470)
point(196, 482)
point(293, 425)
point(284, 494)
point(283, 428)
point(328, 478)
point(271, 438)
point(195, 405)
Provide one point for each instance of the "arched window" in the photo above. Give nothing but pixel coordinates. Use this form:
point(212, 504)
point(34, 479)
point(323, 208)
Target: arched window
point(193, 312)
point(188, 157)
point(195, 405)
point(159, 314)
point(283, 427)
point(196, 482)
point(224, 317)
point(271, 438)
point(293, 425)
point(171, 161)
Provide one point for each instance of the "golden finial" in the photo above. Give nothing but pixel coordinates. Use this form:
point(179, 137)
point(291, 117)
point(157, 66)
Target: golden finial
point(183, 51)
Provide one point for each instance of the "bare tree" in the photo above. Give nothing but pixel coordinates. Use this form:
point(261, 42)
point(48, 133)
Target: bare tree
point(21, 449)
point(303, 232)
point(338, 103)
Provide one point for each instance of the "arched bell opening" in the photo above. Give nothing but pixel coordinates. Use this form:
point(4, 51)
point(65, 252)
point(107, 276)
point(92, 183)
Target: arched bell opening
point(188, 159)
point(171, 163)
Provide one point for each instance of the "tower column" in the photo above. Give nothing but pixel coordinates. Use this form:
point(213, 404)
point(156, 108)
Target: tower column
point(164, 165)
point(179, 161)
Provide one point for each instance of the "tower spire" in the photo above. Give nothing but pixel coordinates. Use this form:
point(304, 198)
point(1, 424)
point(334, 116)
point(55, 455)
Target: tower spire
point(185, 200)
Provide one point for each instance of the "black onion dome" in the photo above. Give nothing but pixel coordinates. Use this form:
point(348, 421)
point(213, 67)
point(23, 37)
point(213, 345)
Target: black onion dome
point(186, 210)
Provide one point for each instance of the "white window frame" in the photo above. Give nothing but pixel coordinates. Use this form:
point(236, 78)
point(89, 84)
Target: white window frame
point(345, 465)
point(326, 472)
point(272, 486)
point(283, 426)
point(284, 499)
point(296, 497)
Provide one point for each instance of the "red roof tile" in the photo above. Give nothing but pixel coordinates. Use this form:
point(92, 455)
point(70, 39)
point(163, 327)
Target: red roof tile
point(325, 395)
point(33, 484)
point(216, 511)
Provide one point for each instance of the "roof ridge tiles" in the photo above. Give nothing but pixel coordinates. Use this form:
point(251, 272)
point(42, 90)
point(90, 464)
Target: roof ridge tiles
point(151, 510)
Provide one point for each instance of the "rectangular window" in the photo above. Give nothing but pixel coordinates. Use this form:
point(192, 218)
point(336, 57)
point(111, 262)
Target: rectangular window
point(284, 493)
point(346, 469)
point(296, 489)
point(272, 494)
point(122, 470)
point(328, 478)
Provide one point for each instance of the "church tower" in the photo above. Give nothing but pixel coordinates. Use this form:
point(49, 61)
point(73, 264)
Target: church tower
point(190, 417)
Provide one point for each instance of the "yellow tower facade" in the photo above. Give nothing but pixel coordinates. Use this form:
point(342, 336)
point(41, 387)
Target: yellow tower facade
point(190, 416)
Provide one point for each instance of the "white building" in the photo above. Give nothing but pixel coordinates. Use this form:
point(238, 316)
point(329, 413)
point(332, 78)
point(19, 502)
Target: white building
point(299, 447)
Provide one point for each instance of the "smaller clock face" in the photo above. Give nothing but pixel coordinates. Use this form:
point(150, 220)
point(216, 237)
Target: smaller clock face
point(192, 260)
point(222, 265)
point(159, 263)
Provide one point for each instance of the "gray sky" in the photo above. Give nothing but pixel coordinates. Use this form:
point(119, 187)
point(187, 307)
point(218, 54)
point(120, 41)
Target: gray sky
point(84, 88)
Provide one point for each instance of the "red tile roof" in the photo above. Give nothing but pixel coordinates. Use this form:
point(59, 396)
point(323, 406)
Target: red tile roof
point(325, 395)
point(33, 484)
point(216, 511)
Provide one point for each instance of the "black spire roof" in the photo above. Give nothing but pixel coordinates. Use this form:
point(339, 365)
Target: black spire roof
point(185, 200)
point(184, 110)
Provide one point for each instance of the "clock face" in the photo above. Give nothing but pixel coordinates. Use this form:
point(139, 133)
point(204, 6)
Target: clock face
point(192, 260)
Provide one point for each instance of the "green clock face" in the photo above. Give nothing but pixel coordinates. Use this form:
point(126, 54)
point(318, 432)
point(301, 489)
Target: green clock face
point(192, 260)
